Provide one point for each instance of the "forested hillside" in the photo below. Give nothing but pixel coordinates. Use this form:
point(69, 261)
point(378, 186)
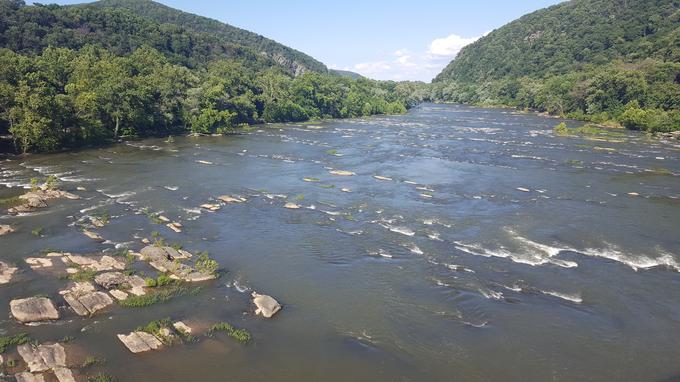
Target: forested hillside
point(295, 61)
point(73, 76)
point(599, 60)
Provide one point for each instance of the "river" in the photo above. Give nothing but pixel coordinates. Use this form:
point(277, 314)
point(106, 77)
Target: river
point(486, 249)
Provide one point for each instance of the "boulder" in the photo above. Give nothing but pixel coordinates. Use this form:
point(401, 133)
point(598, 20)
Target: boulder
point(33, 309)
point(380, 177)
point(267, 306)
point(52, 355)
point(211, 207)
point(97, 263)
point(5, 229)
point(6, 272)
point(138, 342)
point(177, 227)
point(291, 206)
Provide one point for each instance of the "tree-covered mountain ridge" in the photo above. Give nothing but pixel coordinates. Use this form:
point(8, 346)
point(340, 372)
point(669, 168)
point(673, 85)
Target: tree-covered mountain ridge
point(599, 60)
point(72, 76)
point(295, 61)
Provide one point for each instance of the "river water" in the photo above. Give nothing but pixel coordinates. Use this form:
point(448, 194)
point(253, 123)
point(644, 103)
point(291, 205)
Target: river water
point(487, 249)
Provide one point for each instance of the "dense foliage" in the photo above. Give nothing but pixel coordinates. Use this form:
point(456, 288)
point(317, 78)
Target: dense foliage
point(294, 61)
point(598, 60)
point(73, 76)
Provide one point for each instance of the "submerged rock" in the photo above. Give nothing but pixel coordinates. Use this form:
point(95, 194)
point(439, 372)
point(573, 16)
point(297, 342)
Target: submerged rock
point(6, 272)
point(138, 342)
point(93, 235)
point(33, 309)
point(267, 306)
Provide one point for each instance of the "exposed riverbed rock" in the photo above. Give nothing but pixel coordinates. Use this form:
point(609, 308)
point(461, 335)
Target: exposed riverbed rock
point(342, 173)
point(93, 235)
point(96, 263)
point(231, 199)
point(46, 357)
point(166, 260)
point(5, 229)
point(33, 309)
point(267, 306)
point(85, 299)
point(6, 272)
point(138, 342)
point(39, 198)
point(29, 377)
point(291, 206)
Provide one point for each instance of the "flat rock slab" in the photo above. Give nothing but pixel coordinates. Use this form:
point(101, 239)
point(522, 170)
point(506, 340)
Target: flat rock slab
point(64, 374)
point(85, 299)
point(152, 252)
point(42, 357)
point(6, 272)
point(138, 342)
point(267, 306)
point(29, 377)
point(93, 235)
point(231, 199)
point(33, 309)
point(30, 355)
point(97, 263)
point(182, 327)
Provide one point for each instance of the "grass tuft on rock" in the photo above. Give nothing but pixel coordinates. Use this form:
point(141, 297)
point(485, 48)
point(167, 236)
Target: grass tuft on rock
point(158, 297)
point(17, 339)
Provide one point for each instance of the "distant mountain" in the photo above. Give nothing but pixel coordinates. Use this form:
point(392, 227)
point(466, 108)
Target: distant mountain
point(296, 62)
point(589, 59)
point(345, 73)
point(569, 36)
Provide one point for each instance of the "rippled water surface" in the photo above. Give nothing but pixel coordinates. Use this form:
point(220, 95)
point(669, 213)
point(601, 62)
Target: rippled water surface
point(486, 250)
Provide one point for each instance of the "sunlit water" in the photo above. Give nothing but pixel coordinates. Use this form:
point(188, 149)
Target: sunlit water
point(490, 250)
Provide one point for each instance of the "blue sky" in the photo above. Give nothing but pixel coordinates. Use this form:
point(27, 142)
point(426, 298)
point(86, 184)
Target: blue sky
point(395, 40)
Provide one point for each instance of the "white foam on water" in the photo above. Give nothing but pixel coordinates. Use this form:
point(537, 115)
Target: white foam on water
point(381, 252)
point(575, 298)
point(636, 262)
point(413, 248)
point(402, 230)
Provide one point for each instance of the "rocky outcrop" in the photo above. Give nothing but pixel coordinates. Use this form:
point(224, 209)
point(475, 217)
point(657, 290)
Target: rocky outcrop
point(43, 358)
point(38, 199)
point(85, 299)
point(167, 260)
point(266, 306)
point(231, 199)
point(33, 309)
point(673, 135)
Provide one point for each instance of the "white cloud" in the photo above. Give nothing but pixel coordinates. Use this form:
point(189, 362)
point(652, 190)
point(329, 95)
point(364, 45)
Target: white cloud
point(450, 45)
point(403, 64)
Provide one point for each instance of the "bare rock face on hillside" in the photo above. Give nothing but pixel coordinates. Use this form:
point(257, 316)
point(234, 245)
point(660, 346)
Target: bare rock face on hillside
point(33, 309)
